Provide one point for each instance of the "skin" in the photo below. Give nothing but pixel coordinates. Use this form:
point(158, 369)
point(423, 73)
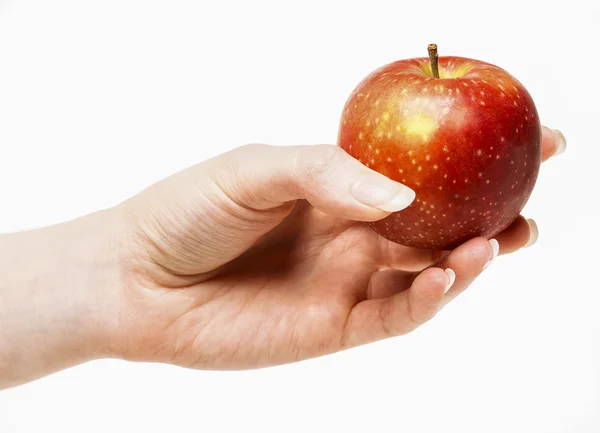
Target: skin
point(257, 257)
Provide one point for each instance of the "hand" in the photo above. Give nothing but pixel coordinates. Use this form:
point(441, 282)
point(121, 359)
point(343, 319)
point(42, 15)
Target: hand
point(259, 257)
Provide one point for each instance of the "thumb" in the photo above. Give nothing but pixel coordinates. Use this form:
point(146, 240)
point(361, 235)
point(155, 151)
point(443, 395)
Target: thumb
point(207, 215)
point(263, 177)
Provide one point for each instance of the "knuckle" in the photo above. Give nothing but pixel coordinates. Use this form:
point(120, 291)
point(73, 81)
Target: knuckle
point(252, 148)
point(319, 160)
point(385, 318)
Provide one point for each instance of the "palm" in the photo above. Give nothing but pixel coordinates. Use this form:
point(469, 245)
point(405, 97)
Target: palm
point(285, 299)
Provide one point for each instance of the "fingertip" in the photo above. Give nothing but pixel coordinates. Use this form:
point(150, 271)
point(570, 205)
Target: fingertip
point(481, 249)
point(514, 237)
point(561, 142)
point(451, 279)
point(553, 143)
point(468, 259)
point(433, 276)
point(378, 191)
point(495, 249)
point(338, 184)
point(533, 232)
point(426, 295)
point(495, 246)
point(400, 201)
point(430, 285)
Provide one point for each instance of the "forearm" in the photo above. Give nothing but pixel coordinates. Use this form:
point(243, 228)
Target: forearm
point(56, 291)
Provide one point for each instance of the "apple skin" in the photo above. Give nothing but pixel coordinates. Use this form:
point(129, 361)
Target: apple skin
point(468, 143)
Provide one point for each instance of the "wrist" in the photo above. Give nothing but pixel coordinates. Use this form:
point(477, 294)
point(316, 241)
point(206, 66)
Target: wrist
point(58, 296)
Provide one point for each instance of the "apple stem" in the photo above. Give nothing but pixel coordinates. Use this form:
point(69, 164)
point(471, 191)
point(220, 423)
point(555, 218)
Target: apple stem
point(433, 59)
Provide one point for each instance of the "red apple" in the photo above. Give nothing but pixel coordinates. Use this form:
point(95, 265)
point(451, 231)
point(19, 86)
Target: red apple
point(468, 143)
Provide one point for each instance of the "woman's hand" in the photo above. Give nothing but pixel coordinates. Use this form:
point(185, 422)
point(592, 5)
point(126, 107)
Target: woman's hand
point(256, 258)
point(250, 259)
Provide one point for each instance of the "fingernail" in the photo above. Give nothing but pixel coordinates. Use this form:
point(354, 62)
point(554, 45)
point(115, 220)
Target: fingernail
point(561, 142)
point(382, 193)
point(495, 250)
point(533, 233)
point(451, 279)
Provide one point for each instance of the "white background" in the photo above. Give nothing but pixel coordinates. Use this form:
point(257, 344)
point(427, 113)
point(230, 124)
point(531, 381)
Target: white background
point(98, 99)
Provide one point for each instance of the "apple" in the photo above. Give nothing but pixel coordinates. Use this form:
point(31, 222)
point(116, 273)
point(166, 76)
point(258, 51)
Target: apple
point(464, 134)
